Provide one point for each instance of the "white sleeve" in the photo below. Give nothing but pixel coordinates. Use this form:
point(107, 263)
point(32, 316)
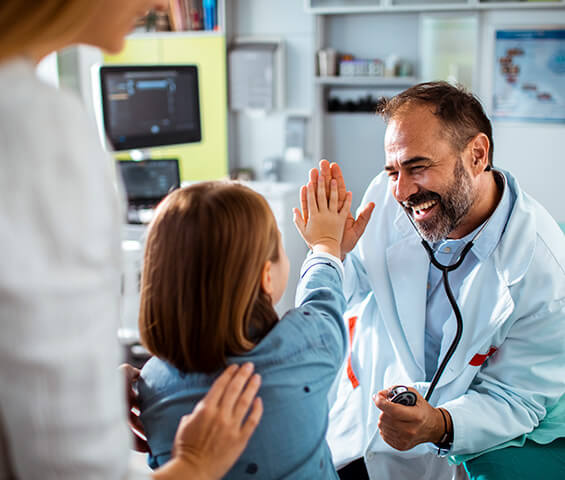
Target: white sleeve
point(511, 394)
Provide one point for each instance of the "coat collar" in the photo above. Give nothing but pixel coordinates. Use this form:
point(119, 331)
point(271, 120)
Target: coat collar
point(516, 248)
point(408, 265)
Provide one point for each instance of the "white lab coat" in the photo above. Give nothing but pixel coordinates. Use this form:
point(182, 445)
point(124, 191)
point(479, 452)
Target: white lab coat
point(513, 301)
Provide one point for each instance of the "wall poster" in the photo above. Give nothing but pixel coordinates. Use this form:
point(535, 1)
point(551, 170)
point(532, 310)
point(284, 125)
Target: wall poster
point(529, 74)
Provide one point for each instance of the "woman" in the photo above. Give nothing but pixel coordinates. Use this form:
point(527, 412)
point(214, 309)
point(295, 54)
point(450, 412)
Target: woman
point(61, 407)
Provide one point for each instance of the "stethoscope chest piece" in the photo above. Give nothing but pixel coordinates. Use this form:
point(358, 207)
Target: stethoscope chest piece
point(400, 394)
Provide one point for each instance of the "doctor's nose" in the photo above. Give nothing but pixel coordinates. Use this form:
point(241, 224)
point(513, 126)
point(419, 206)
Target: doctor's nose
point(404, 188)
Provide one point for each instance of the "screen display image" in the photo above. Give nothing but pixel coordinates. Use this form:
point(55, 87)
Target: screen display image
point(149, 106)
point(147, 182)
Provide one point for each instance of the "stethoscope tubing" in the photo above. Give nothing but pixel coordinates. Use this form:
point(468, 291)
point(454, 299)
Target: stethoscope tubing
point(445, 269)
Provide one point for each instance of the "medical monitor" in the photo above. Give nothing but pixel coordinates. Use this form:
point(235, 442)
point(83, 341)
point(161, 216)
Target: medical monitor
point(150, 105)
point(148, 181)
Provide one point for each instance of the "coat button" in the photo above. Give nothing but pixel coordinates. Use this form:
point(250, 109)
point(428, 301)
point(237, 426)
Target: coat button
point(252, 468)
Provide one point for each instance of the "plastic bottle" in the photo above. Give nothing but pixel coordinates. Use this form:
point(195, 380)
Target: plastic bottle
point(209, 14)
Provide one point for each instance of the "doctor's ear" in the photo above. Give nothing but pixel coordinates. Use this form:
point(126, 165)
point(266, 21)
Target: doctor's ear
point(479, 147)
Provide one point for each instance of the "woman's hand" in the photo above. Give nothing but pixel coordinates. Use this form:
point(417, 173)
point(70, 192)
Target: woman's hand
point(323, 218)
point(213, 436)
point(131, 375)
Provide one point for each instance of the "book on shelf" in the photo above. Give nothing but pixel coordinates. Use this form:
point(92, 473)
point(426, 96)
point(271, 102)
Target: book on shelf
point(196, 15)
point(192, 15)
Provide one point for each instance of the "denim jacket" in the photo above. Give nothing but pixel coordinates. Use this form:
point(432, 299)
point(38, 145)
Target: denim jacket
point(298, 361)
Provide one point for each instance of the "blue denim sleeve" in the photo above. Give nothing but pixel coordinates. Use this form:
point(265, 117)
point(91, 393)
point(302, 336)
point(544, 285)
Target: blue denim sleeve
point(319, 297)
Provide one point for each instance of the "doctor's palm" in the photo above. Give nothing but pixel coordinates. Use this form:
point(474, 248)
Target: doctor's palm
point(354, 228)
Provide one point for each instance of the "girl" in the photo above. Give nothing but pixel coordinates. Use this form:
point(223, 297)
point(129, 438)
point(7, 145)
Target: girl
point(214, 267)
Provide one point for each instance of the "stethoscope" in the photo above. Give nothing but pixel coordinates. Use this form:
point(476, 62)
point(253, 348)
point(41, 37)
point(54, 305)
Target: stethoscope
point(401, 394)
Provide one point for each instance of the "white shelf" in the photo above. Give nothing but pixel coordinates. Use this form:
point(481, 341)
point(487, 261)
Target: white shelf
point(471, 5)
point(519, 5)
point(366, 81)
point(184, 34)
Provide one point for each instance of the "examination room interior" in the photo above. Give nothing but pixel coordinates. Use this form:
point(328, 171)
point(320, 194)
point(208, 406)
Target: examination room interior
point(279, 85)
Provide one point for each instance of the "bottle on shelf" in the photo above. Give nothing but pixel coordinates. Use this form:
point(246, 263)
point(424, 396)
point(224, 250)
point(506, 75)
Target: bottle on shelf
point(210, 15)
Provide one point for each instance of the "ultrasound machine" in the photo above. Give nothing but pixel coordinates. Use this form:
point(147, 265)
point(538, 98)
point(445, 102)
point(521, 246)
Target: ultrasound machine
point(144, 106)
point(146, 183)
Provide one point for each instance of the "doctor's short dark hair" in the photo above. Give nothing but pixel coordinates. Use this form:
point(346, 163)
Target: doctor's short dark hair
point(459, 111)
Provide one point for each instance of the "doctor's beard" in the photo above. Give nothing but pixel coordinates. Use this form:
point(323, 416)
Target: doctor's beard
point(452, 205)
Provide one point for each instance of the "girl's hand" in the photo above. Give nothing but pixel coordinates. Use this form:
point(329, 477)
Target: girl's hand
point(323, 228)
point(354, 228)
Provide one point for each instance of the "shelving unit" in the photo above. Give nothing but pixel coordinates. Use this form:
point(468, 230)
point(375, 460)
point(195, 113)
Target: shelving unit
point(337, 7)
point(323, 85)
point(376, 28)
point(365, 81)
point(184, 34)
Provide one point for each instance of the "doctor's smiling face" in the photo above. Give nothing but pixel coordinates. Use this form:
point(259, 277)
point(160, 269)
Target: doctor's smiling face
point(429, 176)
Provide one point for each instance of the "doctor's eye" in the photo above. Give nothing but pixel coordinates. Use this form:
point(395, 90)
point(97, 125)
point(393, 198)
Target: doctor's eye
point(393, 176)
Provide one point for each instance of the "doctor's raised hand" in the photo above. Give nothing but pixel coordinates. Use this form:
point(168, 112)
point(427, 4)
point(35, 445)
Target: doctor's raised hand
point(353, 228)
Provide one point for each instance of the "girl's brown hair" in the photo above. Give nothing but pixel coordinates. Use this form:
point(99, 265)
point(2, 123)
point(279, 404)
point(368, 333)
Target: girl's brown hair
point(201, 295)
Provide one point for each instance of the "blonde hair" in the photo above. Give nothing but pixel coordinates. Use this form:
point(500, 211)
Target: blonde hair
point(201, 294)
point(25, 24)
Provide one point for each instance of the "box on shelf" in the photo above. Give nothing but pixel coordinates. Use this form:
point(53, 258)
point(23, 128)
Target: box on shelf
point(359, 67)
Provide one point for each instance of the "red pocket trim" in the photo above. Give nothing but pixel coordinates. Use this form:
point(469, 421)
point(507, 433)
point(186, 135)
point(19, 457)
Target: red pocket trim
point(479, 359)
point(350, 374)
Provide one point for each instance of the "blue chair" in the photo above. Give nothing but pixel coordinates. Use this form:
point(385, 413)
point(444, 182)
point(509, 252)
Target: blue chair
point(562, 225)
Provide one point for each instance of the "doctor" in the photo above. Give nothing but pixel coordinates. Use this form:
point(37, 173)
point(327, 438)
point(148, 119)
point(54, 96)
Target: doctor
point(507, 373)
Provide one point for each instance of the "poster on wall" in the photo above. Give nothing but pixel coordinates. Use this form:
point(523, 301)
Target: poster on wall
point(529, 75)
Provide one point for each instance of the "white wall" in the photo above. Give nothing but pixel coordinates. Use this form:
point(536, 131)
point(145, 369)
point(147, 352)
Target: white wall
point(256, 138)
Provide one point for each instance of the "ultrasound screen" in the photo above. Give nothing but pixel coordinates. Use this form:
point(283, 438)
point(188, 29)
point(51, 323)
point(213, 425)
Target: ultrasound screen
point(147, 106)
